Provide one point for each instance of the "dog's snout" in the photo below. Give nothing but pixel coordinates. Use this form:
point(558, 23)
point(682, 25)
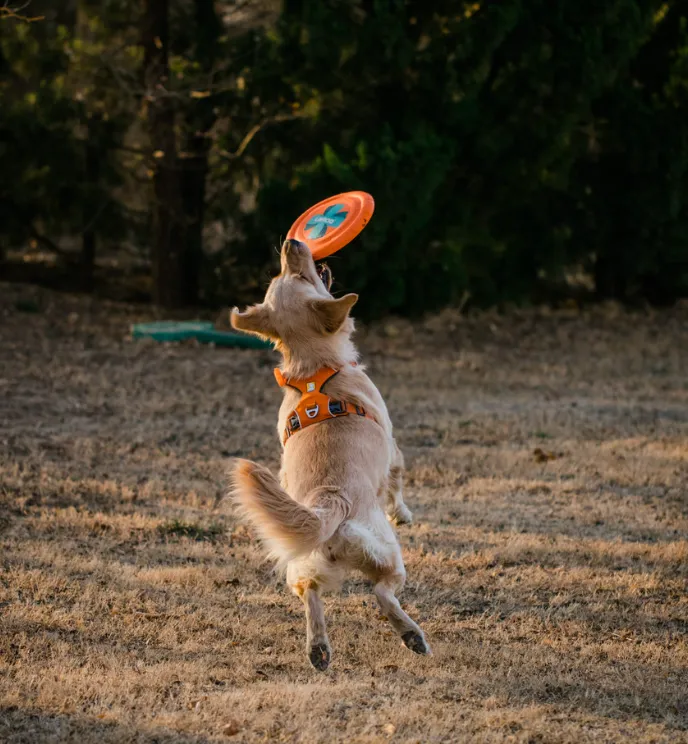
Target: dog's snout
point(295, 256)
point(294, 247)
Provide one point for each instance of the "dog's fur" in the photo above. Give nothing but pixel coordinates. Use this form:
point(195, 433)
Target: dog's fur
point(326, 515)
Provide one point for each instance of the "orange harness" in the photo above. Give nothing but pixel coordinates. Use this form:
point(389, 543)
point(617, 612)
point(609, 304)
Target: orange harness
point(314, 405)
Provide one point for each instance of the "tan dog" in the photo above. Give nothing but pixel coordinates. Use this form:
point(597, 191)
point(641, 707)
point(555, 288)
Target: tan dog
point(326, 515)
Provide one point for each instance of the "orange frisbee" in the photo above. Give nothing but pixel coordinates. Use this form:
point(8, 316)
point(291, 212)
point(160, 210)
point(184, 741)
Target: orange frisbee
point(334, 222)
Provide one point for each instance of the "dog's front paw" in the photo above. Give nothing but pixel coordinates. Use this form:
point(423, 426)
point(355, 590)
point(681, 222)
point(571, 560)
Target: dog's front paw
point(401, 515)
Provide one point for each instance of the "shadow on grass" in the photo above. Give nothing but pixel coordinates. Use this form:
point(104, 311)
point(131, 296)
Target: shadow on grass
point(31, 726)
point(626, 691)
point(178, 528)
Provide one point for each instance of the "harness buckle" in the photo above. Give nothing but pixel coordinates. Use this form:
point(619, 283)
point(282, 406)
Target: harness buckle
point(313, 411)
point(293, 423)
point(336, 408)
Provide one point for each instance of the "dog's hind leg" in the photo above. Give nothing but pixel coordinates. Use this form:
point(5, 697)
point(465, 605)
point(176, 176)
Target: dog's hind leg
point(410, 632)
point(389, 575)
point(317, 642)
point(397, 510)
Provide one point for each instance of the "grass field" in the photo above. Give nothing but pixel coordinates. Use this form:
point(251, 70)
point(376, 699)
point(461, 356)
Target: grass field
point(547, 463)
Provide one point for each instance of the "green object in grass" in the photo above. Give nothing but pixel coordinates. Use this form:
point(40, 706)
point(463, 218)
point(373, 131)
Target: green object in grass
point(206, 333)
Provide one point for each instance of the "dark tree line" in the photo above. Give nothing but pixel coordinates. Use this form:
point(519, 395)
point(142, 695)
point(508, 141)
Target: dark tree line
point(509, 146)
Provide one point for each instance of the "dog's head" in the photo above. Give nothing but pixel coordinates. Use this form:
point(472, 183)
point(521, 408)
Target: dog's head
point(298, 308)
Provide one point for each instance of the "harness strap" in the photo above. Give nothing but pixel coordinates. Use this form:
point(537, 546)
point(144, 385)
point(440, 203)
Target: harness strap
point(314, 406)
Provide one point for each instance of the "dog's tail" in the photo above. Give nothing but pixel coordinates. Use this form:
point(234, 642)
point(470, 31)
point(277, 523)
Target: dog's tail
point(288, 528)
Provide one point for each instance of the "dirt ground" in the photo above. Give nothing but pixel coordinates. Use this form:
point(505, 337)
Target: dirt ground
point(547, 470)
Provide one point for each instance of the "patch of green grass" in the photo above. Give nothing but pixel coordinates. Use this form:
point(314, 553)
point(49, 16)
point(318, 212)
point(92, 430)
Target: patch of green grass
point(178, 528)
point(542, 435)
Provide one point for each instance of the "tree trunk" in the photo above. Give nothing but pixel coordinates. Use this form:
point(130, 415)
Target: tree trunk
point(611, 269)
point(200, 118)
point(193, 194)
point(87, 260)
point(170, 281)
point(88, 242)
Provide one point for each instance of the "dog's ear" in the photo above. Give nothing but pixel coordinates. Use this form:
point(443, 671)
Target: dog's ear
point(255, 319)
point(332, 313)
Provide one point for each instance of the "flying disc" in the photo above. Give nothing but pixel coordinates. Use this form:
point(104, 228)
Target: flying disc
point(334, 222)
point(204, 332)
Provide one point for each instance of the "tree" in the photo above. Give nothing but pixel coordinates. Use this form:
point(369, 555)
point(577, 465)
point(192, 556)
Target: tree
point(58, 132)
point(169, 285)
point(470, 124)
point(505, 143)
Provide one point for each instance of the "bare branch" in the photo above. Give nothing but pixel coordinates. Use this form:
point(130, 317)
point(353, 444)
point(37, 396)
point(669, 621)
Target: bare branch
point(16, 12)
point(245, 143)
point(134, 150)
point(254, 131)
point(46, 242)
point(96, 216)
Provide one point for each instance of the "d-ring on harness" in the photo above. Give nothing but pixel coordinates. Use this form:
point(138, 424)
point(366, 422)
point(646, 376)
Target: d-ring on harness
point(314, 405)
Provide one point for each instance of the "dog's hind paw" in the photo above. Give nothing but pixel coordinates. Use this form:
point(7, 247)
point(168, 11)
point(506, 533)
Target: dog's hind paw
point(319, 656)
point(416, 642)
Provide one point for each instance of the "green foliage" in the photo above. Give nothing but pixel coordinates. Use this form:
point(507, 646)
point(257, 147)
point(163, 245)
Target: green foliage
point(632, 186)
point(505, 144)
point(472, 129)
point(53, 108)
point(37, 149)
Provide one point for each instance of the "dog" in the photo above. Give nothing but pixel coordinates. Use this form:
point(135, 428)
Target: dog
point(341, 467)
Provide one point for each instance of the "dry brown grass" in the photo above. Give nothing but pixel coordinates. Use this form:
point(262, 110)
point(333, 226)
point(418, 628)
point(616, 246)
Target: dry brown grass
point(553, 591)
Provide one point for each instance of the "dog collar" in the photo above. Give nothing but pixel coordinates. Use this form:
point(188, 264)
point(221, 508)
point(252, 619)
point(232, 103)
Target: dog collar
point(315, 406)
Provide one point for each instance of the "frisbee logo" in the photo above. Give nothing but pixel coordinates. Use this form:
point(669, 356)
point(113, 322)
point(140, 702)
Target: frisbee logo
point(333, 216)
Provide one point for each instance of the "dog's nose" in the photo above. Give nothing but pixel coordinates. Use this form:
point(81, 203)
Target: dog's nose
point(294, 247)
